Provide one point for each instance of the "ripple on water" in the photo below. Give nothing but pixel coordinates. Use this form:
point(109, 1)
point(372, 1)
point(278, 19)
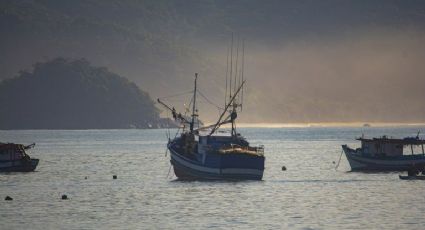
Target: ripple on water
point(311, 194)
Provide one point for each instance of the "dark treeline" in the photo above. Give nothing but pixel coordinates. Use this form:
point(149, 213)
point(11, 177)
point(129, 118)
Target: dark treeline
point(72, 94)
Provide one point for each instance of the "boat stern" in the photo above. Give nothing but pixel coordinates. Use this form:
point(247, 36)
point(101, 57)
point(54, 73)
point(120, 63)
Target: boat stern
point(34, 163)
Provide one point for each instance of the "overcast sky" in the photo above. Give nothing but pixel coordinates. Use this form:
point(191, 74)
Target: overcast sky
point(306, 61)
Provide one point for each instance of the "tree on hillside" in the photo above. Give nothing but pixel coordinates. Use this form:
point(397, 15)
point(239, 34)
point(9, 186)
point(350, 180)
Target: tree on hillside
point(72, 94)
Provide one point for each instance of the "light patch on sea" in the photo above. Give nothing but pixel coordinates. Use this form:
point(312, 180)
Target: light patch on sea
point(310, 194)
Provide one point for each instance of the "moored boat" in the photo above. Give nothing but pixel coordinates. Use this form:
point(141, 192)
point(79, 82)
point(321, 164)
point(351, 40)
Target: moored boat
point(208, 152)
point(203, 153)
point(386, 154)
point(13, 158)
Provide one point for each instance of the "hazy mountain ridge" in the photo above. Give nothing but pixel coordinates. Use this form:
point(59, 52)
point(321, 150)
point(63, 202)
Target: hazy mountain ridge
point(72, 94)
point(313, 70)
point(157, 32)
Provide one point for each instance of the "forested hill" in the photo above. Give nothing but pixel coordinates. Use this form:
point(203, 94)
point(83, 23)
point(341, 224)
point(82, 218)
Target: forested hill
point(72, 94)
point(139, 39)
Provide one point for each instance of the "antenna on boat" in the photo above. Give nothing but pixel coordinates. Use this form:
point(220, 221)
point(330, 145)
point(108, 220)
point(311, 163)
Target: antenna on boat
point(194, 106)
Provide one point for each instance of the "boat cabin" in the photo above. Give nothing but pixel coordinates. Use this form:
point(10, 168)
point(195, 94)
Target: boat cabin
point(385, 146)
point(11, 152)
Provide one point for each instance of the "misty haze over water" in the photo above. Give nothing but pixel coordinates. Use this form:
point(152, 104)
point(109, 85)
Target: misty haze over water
point(80, 79)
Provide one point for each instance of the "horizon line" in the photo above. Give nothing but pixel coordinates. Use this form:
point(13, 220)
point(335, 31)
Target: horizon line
point(324, 124)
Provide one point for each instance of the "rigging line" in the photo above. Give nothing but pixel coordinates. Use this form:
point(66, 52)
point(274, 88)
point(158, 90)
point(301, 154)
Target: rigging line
point(169, 170)
point(177, 133)
point(176, 100)
point(243, 67)
point(210, 102)
point(227, 72)
point(188, 107)
point(225, 109)
point(176, 95)
point(236, 65)
point(168, 127)
point(203, 101)
point(231, 67)
point(239, 102)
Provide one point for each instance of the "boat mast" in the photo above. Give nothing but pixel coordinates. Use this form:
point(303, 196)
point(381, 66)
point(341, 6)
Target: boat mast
point(194, 106)
point(227, 72)
point(243, 63)
point(236, 64)
point(231, 69)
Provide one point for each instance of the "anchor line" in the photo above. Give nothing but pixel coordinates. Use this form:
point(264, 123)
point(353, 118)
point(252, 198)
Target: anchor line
point(169, 170)
point(340, 156)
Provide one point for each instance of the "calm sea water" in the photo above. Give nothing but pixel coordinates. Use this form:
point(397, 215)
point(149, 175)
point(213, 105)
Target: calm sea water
point(311, 194)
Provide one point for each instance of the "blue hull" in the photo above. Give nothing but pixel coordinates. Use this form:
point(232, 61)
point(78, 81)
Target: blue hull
point(359, 162)
point(217, 166)
point(18, 166)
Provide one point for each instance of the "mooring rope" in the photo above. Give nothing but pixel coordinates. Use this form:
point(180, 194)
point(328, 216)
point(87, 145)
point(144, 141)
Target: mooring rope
point(169, 170)
point(340, 156)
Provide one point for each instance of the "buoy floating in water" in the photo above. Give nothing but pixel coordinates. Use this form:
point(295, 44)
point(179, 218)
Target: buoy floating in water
point(8, 198)
point(64, 197)
point(114, 177)
point(85, 178)
point(283, 168)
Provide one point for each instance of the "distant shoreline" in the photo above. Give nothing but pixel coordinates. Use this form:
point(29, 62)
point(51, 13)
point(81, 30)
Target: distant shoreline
point(264, 125)
point(328, 124)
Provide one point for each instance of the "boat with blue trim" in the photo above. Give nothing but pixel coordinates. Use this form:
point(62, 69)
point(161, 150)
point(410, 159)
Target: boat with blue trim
point(386, 154)
point(13, 158)
point(204, 153)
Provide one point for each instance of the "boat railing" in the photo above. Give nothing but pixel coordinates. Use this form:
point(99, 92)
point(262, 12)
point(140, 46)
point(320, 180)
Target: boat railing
point(260, 149)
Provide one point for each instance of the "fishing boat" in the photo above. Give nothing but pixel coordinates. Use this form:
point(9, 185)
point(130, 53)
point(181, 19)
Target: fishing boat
point(13, 158)
point(216, 152)
point(204, 153)
point(386, 154)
